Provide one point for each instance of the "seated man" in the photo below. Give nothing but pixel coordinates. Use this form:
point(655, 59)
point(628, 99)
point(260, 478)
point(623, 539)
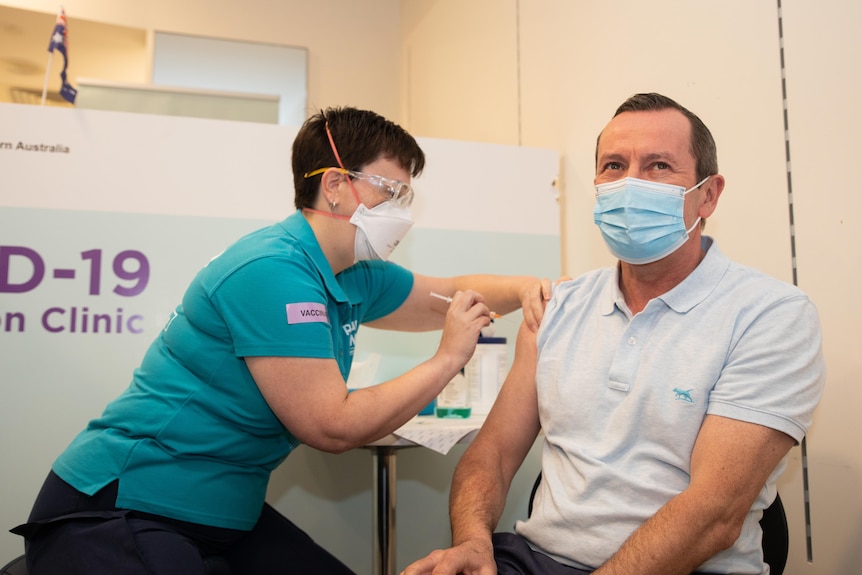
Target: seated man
point(669, 388)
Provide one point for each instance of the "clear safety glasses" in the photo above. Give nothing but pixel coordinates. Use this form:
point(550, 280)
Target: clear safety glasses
point(396, 191)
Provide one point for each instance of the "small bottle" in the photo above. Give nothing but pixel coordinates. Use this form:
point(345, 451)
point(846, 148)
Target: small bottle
point(454, 400)
point(486, 372)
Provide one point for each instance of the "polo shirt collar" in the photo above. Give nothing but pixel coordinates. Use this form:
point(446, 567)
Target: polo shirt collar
point(685, 295)
point(296, 226)
point(612, 298)
point(699, 283)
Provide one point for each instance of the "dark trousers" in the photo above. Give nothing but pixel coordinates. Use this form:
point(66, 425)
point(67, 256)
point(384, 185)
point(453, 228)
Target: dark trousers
point(515, 557)
point(71, 533)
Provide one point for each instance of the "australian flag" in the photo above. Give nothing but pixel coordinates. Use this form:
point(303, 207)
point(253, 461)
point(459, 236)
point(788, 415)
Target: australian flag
point(60, 42)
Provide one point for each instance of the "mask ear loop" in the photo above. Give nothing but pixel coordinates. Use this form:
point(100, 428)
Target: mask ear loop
point(697, 185)
point(349, 181)
point(340, 163)
point(693, 188)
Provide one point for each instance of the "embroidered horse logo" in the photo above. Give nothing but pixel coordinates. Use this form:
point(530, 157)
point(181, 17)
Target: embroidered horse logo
point(683, 394)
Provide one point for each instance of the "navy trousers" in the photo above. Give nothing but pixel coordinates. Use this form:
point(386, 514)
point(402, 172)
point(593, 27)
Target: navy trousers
point(71, 533)
point(515, 557)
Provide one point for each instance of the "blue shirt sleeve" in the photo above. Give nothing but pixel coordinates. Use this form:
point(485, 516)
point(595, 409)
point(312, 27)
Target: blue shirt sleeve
point(381, 286)
point(252, 302)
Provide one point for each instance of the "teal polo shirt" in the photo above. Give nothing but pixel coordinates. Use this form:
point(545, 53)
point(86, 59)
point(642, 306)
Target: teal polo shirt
point(192, 438)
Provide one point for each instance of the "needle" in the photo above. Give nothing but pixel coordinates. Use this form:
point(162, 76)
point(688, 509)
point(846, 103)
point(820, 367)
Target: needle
point(447, 299)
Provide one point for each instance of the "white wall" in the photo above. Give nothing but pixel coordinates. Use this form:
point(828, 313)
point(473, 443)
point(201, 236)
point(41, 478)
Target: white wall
point(577, 60)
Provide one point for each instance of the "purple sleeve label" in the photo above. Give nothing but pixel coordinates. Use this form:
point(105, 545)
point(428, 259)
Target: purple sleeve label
point(307, 312)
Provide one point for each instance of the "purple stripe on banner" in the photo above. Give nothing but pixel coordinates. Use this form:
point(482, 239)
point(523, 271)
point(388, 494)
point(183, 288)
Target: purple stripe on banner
point(64, 274)
point(307, 312)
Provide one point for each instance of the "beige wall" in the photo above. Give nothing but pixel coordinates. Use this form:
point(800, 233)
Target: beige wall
point(823, 52)
point(549, 73)
point(353, 47)
point(577, 60)
point(455, 55)
point(97, 50)
point(576, 63)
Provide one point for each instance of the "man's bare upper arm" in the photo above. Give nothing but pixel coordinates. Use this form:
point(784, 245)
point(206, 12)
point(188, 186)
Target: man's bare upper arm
point(513, 424)
point(733, 459)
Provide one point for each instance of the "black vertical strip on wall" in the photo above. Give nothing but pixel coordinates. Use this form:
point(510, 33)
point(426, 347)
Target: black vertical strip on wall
point(803, 445)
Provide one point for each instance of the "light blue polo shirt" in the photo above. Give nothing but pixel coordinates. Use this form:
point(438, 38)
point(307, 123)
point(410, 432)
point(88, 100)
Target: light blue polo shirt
point(192, 437)
point(622, 399)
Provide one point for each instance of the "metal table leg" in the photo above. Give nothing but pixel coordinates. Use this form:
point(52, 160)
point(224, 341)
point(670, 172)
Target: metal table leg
point(384, 510)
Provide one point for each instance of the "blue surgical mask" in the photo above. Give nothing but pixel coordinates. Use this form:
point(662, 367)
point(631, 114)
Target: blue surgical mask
point(642, 221)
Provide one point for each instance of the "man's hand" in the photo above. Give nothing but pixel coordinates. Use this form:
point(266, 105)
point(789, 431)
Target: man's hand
point(473, 557)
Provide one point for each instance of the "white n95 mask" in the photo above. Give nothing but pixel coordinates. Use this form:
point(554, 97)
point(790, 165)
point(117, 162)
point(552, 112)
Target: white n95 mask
point(379, 230)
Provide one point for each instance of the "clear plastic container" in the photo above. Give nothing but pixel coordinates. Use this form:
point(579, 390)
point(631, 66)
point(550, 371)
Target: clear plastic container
point(486, 372)
point(454, 400)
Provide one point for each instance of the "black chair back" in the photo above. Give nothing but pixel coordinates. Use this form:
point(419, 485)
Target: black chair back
point(17, 566)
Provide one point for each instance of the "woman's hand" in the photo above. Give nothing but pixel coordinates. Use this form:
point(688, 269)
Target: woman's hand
point(465, 318)
point(534, 297)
